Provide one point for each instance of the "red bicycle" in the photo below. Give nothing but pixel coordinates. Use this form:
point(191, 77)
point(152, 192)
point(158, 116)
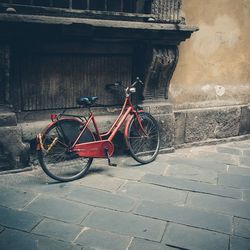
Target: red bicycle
point(67, 146)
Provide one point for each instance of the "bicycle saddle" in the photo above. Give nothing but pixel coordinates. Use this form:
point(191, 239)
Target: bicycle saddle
point(86, 101)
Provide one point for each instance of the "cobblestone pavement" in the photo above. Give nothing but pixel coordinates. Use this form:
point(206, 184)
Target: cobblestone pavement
point(196, 198)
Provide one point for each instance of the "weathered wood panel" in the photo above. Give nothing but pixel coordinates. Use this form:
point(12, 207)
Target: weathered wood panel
point(55, 81)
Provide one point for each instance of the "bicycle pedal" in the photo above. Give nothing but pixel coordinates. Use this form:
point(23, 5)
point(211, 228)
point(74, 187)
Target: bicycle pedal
point(112, 164)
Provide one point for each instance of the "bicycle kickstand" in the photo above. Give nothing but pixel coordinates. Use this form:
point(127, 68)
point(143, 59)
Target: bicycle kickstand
point(108, 158)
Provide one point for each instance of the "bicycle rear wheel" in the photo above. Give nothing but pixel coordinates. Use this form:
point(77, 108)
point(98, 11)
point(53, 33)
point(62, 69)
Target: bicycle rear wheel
point(143, 147)
point(56, 160)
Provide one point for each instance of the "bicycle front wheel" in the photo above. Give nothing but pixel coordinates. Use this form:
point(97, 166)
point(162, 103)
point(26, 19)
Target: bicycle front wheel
point(56, 160)
point(143, 145)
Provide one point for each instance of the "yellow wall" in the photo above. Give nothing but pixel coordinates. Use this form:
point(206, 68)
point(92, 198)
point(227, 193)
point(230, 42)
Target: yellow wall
point(214, 64)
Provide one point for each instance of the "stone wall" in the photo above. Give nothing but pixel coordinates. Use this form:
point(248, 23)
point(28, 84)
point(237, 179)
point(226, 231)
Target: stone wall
point(213, 67)
point(211, 124)
point(210, 89)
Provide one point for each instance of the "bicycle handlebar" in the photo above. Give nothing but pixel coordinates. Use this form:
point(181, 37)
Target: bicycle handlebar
point(120, 84)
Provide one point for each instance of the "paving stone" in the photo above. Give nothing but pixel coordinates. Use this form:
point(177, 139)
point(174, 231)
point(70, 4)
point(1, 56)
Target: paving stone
point(186, 215)
point(194, 238)
point(245, 161)
point(127, 224)
point(199, 156)
point(125, 173)
point(237, 243)
point(101, 182)
point(57, 230)
point(207, 164)
point(17, 240)
point(18, 219)
point(229, 150)
point(220, 204)
point(238, 170)
point(237, 181)
point(102, 240)
point(242, 227)
point(246, 195)
point(15, 199)
point(246, 152)
point(29, 182)
point(139, 244)
point(194, 186)
point(59, 209)
point(192, 173)
point(153, 193)
point(102, 199)
point(158, 166)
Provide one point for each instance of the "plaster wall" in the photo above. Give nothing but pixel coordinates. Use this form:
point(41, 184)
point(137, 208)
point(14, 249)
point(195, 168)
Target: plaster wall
point(214, 64)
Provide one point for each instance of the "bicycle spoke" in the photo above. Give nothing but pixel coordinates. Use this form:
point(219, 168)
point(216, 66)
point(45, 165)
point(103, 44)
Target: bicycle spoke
point(143, 141)
point(58, 162)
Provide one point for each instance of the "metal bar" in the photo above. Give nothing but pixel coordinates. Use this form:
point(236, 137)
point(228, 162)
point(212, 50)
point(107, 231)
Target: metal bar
point(117, 119)
point(122, 6)
point(70, 4)
point(120, 124)
point(86, 126)
point(106, 5)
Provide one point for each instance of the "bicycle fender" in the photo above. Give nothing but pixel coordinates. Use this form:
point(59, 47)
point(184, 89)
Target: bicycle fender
point(128, 122)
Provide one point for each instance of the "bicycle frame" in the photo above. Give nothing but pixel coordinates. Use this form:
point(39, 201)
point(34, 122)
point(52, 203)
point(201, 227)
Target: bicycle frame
point(103, 148)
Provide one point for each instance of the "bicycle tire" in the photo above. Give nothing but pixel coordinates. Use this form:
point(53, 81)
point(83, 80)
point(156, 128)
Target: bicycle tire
point(143, 148)
point(58, 163)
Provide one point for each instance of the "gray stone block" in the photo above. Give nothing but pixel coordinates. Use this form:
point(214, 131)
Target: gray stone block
point(128, 172)
point(7, 118)
point(180, 126)
point(245, 120)
point(194, 173)
point(246, 195)
point(246, 152)
point(102, 240)
point(242, 227)
point(18, 219)
point(212, 123)
point(229, 150)
point(193, 186)
point(237, 181)
point(101, 182)
point(139, 244)
point(224, 205)
point(16, 199)
point(160, 108)
point(153, 193)
point(203, 163)
point(101, 199)
point(194, 238)
point(11, 141)
point(237, 243)
point(238, 171)
point(17, 240)
point(126, 224)
point(166, 126)
point(245, 161)
point(58, 209)
point(187, 216)
point(57, 230)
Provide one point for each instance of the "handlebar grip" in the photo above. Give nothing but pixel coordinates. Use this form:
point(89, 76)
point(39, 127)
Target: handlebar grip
point(139, 80)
